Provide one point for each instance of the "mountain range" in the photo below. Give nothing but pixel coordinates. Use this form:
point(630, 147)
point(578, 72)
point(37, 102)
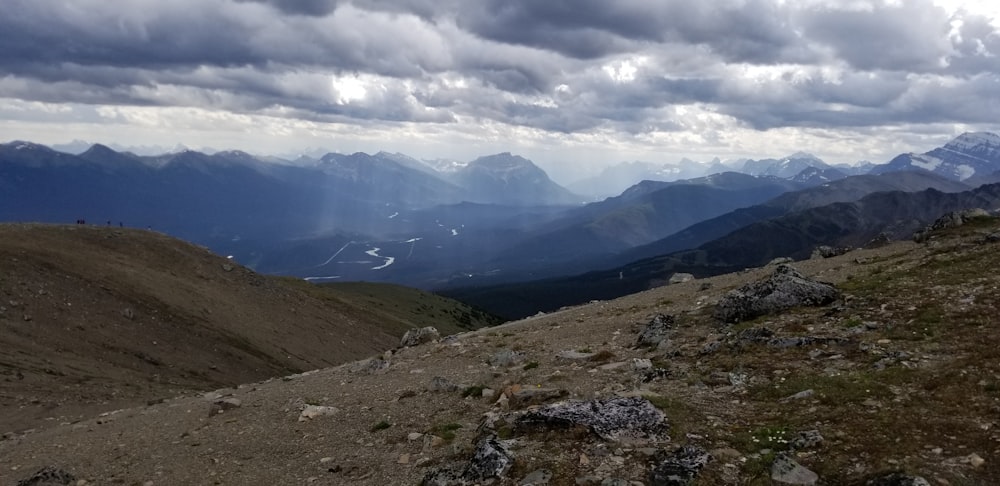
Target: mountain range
point(499, 219)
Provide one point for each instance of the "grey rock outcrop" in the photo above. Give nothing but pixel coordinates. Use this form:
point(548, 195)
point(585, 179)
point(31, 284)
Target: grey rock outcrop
point(784, 470)
point(491, 459)
point(949, 220)
point(806, 439)
point(507, 357)
point(370, 366)
point(418, 336)
point(897, 479)
point(656, 330)
point(784, 289)
point(48, 476)
point(679, 278)
point(223, 404)
point(680, 467)
point(611, 419)
point(825, 251)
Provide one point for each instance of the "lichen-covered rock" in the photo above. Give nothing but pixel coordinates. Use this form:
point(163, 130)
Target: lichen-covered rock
point(825, 251)
point(784, 289)
point(418, 336)
point(507, 357)
point(491, 459)
point(806, 439)
point(370, 366)
point(897, 479)
point(611, 419)
point(785, 470)
point(48, 476)
point(680, 467)
point(656, 330)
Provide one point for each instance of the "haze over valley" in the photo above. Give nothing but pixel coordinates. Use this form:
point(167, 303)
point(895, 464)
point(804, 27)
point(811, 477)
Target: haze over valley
point(497, 219)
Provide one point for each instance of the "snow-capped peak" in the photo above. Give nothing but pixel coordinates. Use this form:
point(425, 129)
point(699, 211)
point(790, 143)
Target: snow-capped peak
point(445, 165)
point(803, 155)
point(971, 140)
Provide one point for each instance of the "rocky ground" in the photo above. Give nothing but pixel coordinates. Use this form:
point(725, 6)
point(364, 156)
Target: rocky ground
point(893, 381)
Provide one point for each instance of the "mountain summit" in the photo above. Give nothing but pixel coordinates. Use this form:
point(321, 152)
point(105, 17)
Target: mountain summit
point(969, 154)
point(511, 179)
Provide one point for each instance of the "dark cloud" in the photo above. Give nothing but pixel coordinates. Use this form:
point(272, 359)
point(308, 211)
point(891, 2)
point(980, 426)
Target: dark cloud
point(316, 8)
point(557, 65)
point(905, 36)
point(755, 29)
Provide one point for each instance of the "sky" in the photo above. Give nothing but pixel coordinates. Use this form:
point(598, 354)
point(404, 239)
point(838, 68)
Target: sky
point(571, 84)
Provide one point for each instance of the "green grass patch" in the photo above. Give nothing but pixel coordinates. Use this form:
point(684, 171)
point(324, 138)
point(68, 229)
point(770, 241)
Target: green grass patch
point(836, 390)
point(446, 431)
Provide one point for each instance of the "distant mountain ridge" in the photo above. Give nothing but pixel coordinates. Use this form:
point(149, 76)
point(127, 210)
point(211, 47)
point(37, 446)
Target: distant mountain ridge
point(842, 190)
point(793, 235)
point(968, 155)
point(389, 217)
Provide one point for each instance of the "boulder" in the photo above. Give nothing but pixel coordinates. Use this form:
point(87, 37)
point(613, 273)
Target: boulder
point(825, 251)
point(418, 336)
point(656, 330)
point(48, 476)
point(491, 459)
point(611, 418)
point(897, 479)
point(806, 439)
point(678, 278)
point(784, 289)
point(680, 467)
point(370, 366)
point(507, 357)
point(223, 404)
point(784, 470)
point(314, 411)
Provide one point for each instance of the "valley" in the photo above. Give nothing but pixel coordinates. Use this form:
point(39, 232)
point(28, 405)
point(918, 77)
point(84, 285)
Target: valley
point(471, 229)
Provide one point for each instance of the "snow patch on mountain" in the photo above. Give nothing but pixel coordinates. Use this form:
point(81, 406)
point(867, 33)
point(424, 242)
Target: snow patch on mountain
point(926, 162)
point(964, 172)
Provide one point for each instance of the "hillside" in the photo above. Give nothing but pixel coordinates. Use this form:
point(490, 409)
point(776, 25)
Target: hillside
point(826, 394)
point(842, 190)
point(96, 317)
point(893, 215)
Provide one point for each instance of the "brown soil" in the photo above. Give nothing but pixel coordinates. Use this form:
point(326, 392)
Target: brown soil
point(92, 318)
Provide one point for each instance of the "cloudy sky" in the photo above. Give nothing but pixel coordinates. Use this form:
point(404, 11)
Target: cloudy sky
point(570, 84)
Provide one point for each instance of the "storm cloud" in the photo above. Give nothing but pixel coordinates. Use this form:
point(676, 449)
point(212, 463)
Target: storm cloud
point(628, 67)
